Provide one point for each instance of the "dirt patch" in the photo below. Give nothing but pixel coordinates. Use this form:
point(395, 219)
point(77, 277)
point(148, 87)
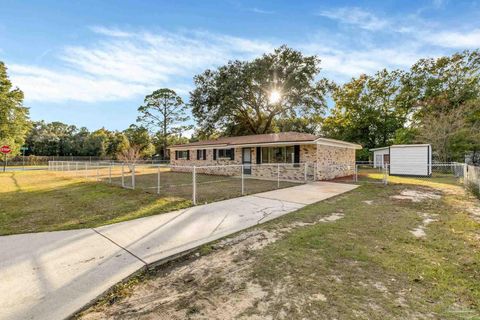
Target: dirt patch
point(330, 218)
point(369, 202)
point(416, 195)
point(419, 231)
point(185, 291)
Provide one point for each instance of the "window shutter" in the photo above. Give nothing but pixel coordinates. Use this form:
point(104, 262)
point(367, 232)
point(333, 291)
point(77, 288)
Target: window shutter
point(188, 154)
point(232, 154)
point(259, 155)
point(204, 154)
point(214, 154)
point(296, 154)
point(176, 154)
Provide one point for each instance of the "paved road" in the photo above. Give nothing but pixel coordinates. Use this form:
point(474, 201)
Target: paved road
point(51, 275)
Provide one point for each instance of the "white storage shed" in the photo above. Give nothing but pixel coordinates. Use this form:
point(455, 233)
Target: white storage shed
point(405, 159)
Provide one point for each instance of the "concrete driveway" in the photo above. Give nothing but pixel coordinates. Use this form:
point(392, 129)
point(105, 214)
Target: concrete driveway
point(51, 275)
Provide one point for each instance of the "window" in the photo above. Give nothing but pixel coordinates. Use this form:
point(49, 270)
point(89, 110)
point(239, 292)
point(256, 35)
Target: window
point(202, 154)
point(278, 154)
point(182, 155)
point(225, 153)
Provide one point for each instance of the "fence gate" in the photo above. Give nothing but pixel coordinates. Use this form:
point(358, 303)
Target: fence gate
point(368, 172)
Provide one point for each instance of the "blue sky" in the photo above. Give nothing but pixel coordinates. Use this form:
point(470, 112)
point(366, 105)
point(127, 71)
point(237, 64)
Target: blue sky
point(90, 63)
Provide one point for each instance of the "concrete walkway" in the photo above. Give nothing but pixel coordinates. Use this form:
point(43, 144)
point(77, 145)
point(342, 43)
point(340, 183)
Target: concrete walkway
point(51, 275)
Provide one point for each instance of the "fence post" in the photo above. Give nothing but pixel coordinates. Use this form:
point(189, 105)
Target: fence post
point(305, 172)
point(194, 186)
point(123, 175)
point(158, 180)
point(278, 175)
point(86, 172)
point(76, 169)
point(110, 173)
point(97, 178)
point(385, 176)
point(133, 176)
point(243, 182)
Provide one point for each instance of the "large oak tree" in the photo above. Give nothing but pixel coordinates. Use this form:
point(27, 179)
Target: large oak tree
point(250, 97)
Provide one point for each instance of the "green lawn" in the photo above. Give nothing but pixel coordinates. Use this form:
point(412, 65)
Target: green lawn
point(42, 201)
point(33, 201)
point(366, 265)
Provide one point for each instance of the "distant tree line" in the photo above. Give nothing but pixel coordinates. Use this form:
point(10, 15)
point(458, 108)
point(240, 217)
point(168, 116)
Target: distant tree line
point(59, 139)
point(436, 101)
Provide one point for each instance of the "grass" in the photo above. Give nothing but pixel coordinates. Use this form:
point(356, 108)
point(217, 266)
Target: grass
point(367, 265)
point(34, 201)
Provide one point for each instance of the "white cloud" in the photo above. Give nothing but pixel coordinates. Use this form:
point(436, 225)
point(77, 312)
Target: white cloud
point(356, 16)
point(40, 84)
point(453, 39)
point(262, 11)
point(122, 65)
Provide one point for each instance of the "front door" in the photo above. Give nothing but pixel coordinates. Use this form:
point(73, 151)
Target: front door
point(247, 160)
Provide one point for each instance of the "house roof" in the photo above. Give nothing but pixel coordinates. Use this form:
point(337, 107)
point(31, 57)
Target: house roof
point(269, 138)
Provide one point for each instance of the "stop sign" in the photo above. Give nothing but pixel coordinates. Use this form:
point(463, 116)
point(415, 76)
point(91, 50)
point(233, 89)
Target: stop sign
point(5, 149)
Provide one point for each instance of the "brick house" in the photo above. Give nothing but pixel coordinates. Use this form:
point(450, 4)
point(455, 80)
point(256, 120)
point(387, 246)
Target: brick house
point(262, 155)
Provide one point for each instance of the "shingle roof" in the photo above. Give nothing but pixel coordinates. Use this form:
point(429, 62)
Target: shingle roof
point(288, 137)
point(255, 139)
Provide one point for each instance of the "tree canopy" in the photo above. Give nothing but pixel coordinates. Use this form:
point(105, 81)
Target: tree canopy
point(165, 111)
point(14, 122)
point(435, 102)
point(254, 97)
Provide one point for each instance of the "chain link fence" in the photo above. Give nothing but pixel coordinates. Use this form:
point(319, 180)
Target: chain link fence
point(204, 184)
point(201, 184)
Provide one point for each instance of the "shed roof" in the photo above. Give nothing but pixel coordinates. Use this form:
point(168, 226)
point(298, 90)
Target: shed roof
point(401, 146)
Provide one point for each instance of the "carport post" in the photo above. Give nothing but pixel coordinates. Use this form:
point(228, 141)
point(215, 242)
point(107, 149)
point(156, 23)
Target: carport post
point(123, 175)
point(158, 180)
point(194, 185)
point(355, 175)
point(243, 182)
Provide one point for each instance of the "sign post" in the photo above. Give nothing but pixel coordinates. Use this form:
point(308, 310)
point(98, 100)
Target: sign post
point(5, 150)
